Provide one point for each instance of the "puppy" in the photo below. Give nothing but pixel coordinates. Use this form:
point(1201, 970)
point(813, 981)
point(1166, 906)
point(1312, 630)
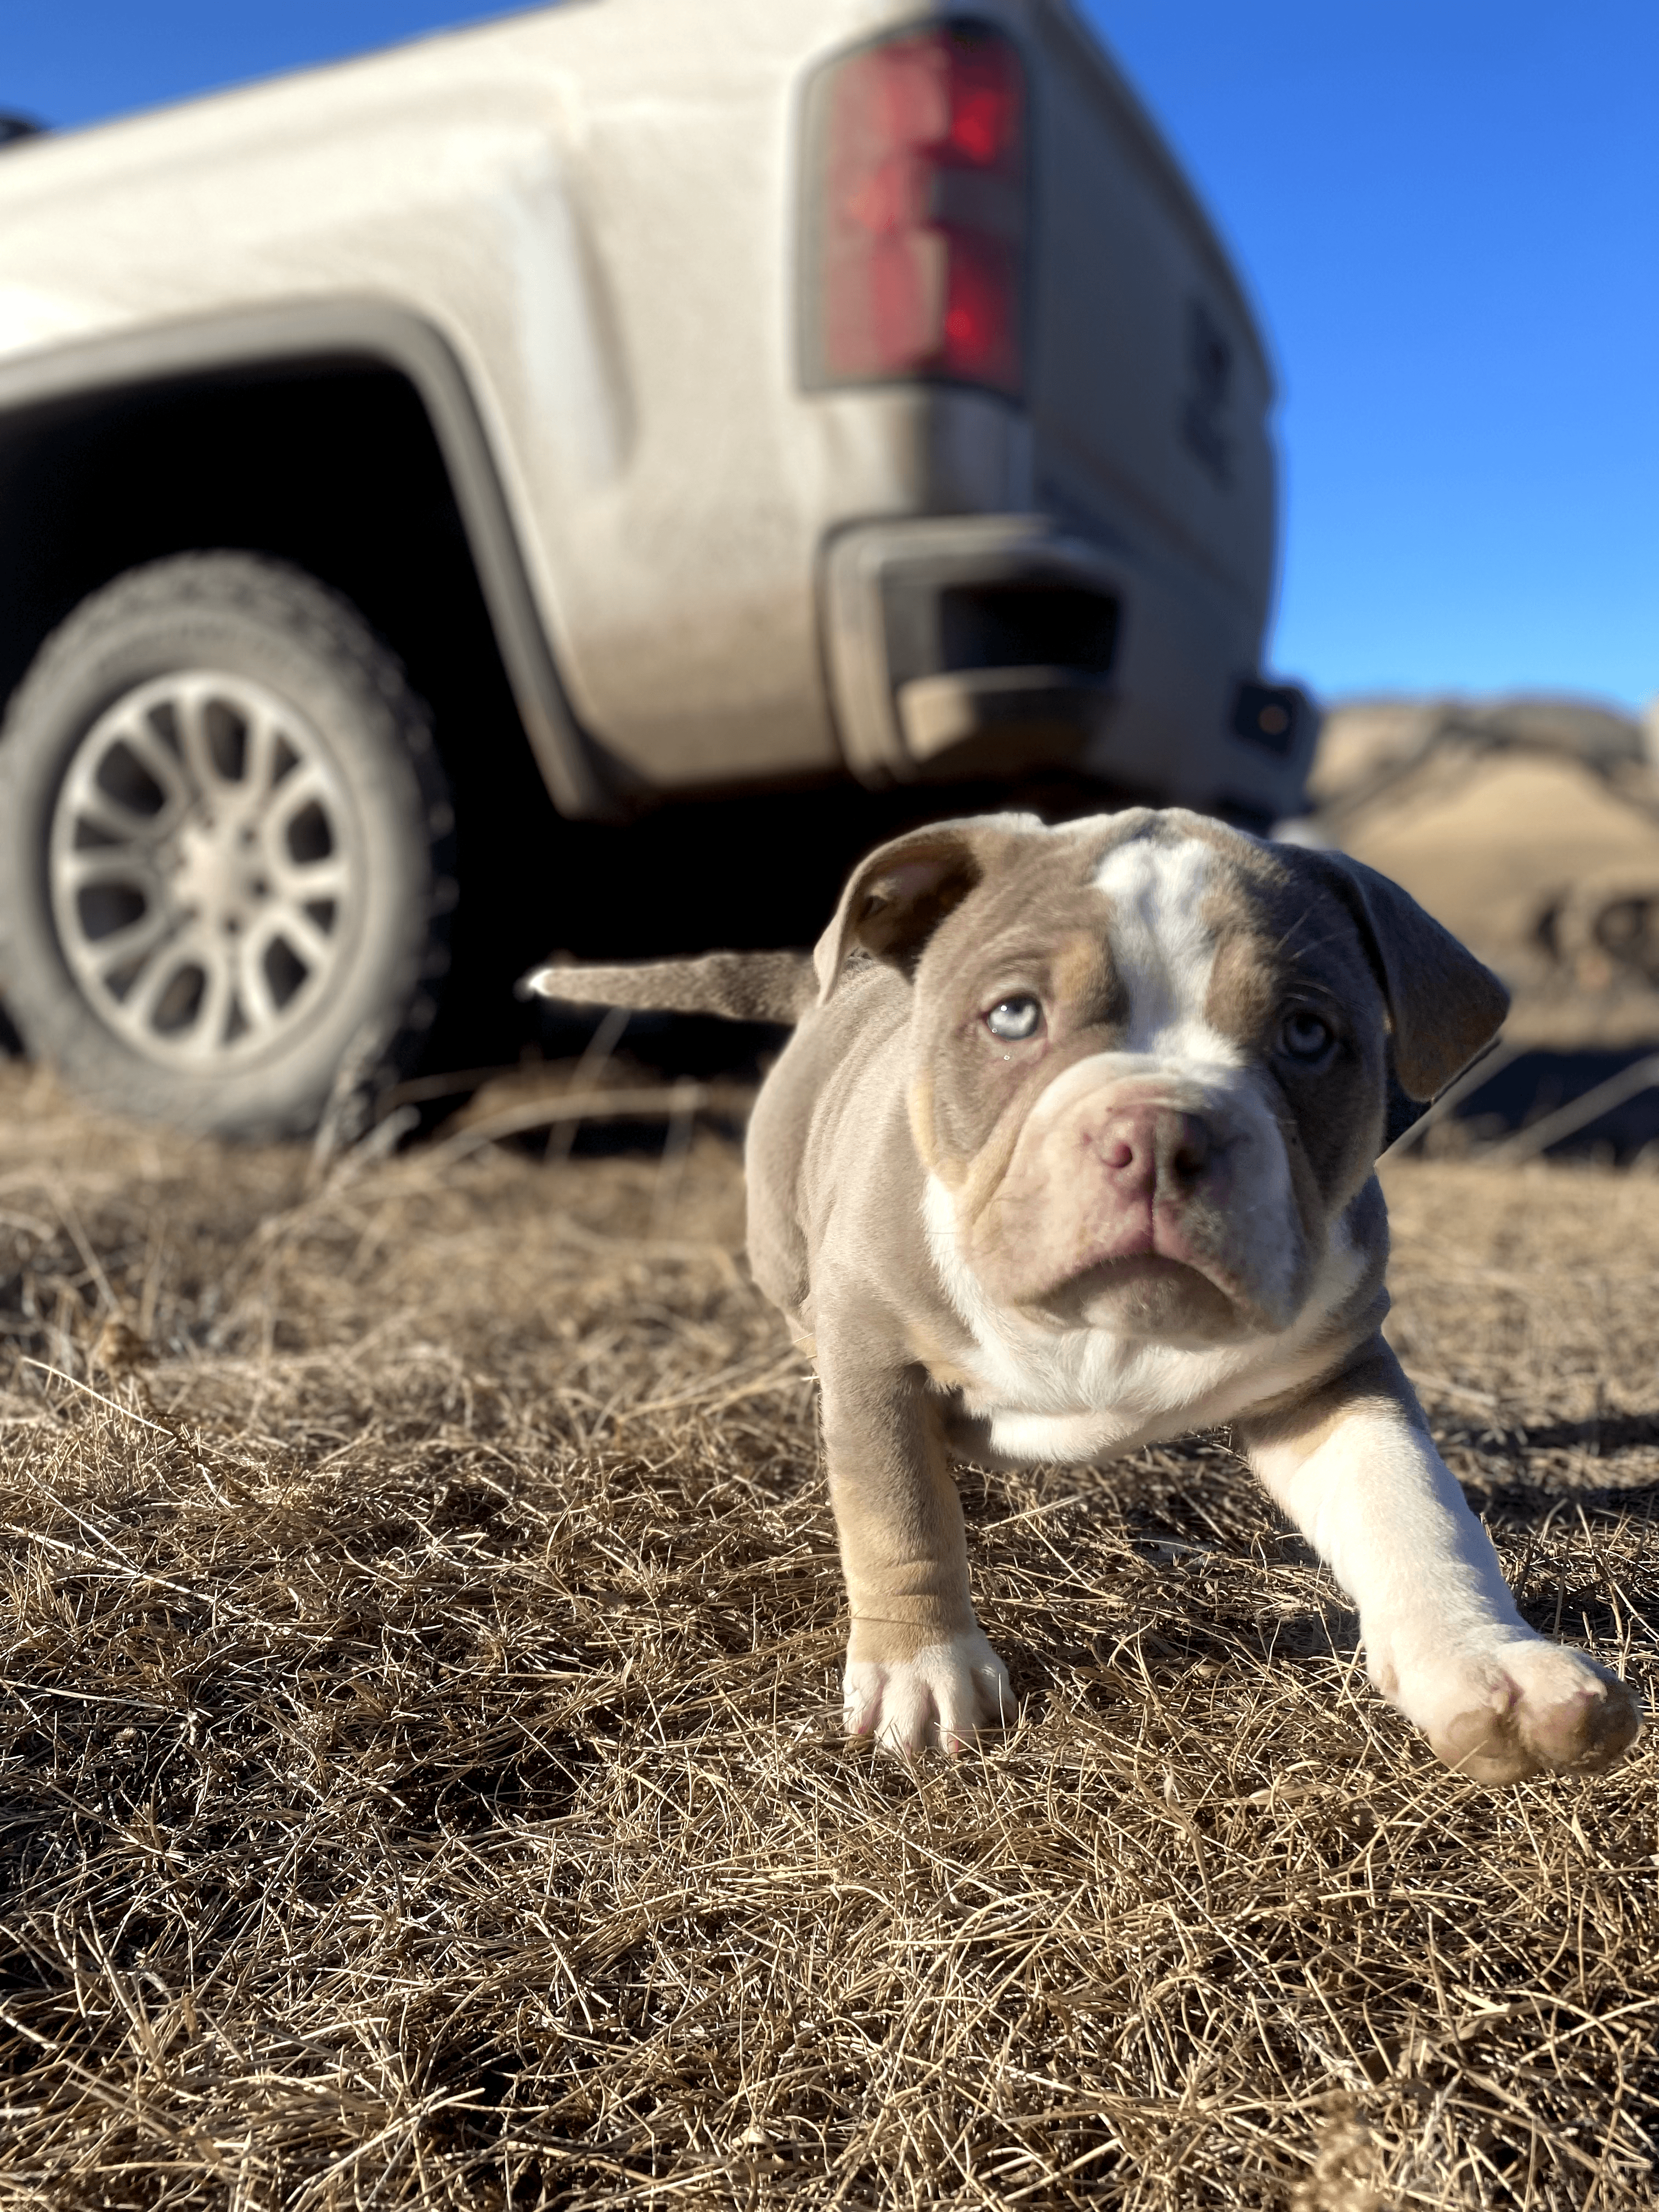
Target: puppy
point(1073, 1150)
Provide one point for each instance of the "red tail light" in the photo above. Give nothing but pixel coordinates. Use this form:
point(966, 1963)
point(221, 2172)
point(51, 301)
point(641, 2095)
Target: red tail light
point(916, 211)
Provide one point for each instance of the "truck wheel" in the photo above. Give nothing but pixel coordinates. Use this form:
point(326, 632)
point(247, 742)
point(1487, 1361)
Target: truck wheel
point(225, 842)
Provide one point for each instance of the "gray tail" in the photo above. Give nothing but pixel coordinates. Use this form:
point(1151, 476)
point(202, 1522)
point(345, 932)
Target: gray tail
point(744, 986)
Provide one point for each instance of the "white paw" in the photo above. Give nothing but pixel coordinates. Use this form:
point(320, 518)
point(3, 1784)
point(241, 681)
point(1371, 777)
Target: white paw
point(1522, 1706)
point(935, 1700)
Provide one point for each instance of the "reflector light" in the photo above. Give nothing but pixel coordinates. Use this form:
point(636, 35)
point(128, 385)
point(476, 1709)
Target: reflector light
point(916, 211)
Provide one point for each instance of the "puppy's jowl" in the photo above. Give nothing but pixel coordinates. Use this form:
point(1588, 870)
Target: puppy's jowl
point(1072, 1151)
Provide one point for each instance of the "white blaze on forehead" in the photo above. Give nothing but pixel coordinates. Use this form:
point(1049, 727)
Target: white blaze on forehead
point(1165, 948)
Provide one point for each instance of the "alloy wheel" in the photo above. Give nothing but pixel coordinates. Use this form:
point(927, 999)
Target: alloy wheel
point(201, 868)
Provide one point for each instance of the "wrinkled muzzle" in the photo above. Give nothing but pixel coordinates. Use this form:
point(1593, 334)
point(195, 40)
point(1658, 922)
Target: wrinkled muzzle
point(1151, 1201)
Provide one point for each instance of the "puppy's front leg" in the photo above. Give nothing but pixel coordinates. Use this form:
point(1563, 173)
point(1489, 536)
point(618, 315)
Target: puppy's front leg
point(1355, 1467)
point(919, 1670)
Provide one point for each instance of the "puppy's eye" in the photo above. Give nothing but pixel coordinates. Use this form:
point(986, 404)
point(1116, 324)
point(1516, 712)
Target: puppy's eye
point(1015, 1019)
point(1304, 1035)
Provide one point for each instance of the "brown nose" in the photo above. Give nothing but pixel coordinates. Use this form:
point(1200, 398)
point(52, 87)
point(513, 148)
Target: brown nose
point(1151, 1151)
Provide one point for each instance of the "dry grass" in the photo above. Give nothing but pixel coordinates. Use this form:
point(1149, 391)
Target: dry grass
point(422, 1775)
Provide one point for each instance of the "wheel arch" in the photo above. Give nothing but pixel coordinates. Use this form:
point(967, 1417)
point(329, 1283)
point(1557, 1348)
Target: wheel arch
point(176, 396)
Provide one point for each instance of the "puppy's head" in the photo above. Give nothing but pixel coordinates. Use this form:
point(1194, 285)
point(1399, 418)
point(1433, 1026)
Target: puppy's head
point(1152, 1054)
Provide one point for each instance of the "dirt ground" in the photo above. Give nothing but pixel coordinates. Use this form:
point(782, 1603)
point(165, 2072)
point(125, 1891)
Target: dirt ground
point(423, 1781)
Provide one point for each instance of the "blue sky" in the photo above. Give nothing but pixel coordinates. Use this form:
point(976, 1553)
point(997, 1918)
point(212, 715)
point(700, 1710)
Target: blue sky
point(1448, 213)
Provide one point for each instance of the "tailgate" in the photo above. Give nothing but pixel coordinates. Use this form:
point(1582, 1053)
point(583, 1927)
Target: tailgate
point(1149, 389)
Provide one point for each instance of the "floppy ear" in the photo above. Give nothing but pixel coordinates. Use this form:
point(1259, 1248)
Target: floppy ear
point(897, 897)
point(1443, 1006)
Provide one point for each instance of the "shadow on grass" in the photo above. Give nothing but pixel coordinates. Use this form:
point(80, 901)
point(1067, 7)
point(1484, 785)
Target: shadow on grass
point(1603, 1435)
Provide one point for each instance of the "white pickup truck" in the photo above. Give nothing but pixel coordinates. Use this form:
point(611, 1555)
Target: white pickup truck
point(635, 402)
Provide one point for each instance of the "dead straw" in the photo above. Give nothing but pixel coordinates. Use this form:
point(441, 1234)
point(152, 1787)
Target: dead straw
point(423, 1781)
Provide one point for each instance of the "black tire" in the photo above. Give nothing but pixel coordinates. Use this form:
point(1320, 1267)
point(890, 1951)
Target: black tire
point(214, 757)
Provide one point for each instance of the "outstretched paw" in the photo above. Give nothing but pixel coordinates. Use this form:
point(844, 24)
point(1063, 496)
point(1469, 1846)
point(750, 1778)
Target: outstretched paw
point(1530, 1707)
point(935, 1698)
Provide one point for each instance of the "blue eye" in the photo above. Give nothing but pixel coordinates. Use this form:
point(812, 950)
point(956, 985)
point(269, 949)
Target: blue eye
point(1305, 1036)
point(1015, 1019)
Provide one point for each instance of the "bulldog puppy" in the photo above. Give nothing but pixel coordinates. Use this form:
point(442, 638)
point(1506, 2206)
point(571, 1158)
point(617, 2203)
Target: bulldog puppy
point(1072, 1151)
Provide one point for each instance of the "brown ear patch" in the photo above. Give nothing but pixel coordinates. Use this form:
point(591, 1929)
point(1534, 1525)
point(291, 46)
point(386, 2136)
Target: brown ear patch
point(898, 896)
point(904, 904)
point(1443, 1005)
